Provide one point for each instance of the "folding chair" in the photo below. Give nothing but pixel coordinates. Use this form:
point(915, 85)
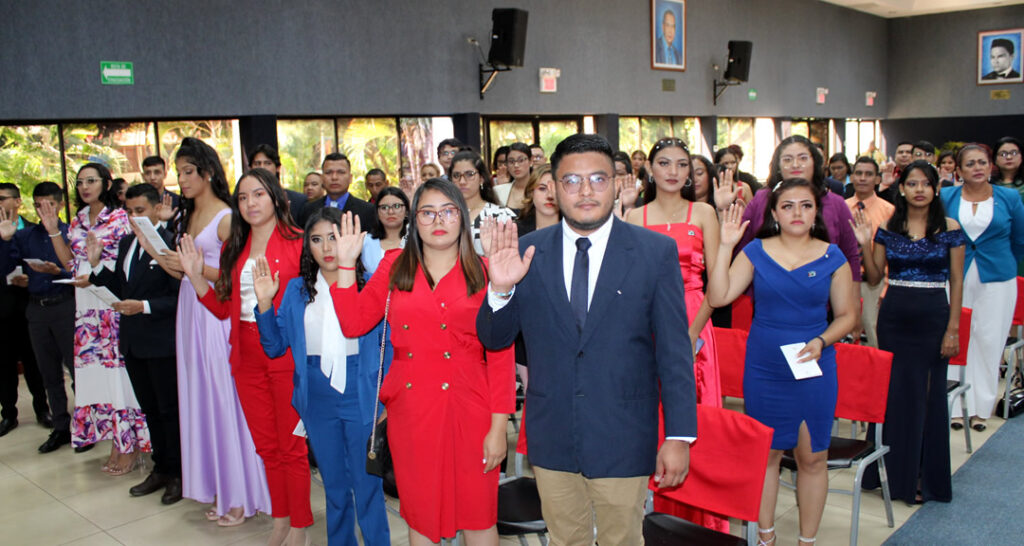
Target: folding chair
point(955, 389)
point(731, 349)
point(863, 374)
point(519, 512)
point(727, 468)
point(1015, 348)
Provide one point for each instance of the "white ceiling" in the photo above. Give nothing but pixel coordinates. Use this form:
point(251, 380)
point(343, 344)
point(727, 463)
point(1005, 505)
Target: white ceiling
point(907, 8)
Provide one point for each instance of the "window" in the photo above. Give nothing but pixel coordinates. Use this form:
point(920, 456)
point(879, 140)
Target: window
point(29, 154)
point(863, 138)
point(553, 132)
point(302, 144)
point(221, 134)
point(738, 131)
point(119, 146)
point(506, 132)
point(419, 138)
point(640, 133)
point(369, 143)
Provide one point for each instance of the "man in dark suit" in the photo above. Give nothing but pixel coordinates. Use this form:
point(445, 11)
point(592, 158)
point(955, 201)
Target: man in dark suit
point(14, 329)
point(600, 306)
point(149, 301)
point(337, 175)
point(266, 157)
point(1000, 55)
point(154, 173)
point(666, 51)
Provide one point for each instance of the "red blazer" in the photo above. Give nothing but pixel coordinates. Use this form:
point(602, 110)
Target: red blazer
point(283, 255)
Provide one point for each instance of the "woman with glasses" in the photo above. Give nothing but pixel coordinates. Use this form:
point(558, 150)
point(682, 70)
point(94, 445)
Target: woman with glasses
point(670, 209)
point(105, 404)
point(797, 157)
point(992, 217)
point(388, 232)
point(1009, 169)
point(500, 166)
point(518, 161)
point(470, 176)
point(447, 399)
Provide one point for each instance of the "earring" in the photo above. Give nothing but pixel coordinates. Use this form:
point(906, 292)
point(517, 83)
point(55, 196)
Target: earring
point(902, 194)
point(688, 183)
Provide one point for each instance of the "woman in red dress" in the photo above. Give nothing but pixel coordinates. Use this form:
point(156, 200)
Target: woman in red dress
point(261, 226)
point(447, 399)
point(671, 210)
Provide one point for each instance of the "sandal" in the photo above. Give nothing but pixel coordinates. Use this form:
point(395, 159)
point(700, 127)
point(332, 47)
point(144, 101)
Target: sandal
point(211, 514)
point(957, 423)
point(227, 520)
point(762, 542)
point(811, 540)
point(121, 470)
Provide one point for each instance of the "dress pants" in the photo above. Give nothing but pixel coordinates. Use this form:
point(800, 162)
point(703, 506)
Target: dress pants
point(52, 329)
point(265, 391)
point(572, 503)
point(338, 436)
point(17, 346)
point(155, 382)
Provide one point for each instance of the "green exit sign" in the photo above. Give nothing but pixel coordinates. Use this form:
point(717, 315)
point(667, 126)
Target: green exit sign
point(116, 73)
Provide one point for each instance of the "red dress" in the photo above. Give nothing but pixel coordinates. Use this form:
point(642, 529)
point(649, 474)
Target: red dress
point(440, 392)
point(689, 240)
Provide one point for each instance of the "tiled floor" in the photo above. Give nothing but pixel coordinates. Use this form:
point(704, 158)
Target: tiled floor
point(63, 498)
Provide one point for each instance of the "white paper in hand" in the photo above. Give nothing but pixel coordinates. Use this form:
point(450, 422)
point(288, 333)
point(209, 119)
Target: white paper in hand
point(801, 370)
point(34, 261)
point(17, 272)
point(150, 233)
point(104, 294)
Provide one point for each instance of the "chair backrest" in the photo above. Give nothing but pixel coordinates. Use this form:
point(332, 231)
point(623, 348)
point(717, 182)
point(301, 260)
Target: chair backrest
point(727, 464)
point(863, 374)
point(731, 351)
point(960, 359)
point(742, 312)
point(1018, 310)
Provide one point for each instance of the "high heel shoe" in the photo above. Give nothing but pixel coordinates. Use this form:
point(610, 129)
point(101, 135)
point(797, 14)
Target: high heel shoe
point(122, 469)
point(763, 542)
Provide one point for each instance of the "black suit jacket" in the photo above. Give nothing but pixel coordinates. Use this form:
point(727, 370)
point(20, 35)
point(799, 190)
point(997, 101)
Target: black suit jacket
point(1013, 75)
point(367, 213)
point(13, 299)
point(593, 395)
point(142, 335)
point(296, 204)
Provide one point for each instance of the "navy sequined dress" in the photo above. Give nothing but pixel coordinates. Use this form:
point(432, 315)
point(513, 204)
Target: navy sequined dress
point(911, 322)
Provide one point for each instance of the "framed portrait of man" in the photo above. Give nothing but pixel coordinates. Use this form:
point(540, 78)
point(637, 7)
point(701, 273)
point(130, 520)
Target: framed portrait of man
point(668, 34)
point(999, 56)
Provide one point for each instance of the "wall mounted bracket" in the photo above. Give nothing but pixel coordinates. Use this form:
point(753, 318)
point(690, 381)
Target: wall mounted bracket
point(719, 87)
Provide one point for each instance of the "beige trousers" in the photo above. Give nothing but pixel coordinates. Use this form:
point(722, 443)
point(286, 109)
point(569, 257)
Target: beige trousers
point(571, 503)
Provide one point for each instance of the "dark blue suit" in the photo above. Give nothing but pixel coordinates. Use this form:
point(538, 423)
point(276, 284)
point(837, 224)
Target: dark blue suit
point(338, 424)
point(593, 395)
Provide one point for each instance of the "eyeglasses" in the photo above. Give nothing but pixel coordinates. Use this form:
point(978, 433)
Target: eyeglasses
point(802, 159)
point(90, 180)
point(447, 153)
point(517, 161)
point(573, 182)
point(448, 215)
point(468, 175)
point(500, 162)
point(1007, 154)
point(396, 207)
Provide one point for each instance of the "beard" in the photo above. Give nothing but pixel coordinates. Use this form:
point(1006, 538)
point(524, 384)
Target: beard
point(588, 226)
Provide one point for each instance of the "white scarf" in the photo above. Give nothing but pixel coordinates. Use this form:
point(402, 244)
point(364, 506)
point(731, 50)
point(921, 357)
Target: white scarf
point(324, 337)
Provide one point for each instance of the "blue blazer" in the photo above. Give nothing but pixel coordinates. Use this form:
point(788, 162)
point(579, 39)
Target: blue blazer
point(998, 248)
point(287, 329)
point(592, 400)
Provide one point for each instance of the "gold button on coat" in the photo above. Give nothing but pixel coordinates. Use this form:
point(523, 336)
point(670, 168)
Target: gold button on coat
point(447, 354)
point(405, 326)
point(408, 385)
point(444, 386)
point(408, 355)
point(444, 326)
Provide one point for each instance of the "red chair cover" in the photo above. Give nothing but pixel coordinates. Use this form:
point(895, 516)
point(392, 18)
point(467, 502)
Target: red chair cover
point(731, 349)
point(742, 312)
point(960, 359)
point(727, 464)
point(863, 374)
point(1018, 310)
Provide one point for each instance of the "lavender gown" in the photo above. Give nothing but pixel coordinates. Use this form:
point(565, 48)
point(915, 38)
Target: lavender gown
point(218, 458)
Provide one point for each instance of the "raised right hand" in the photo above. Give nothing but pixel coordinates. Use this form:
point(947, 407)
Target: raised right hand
point(47, 212)
point(733, 225)
point(264, 284)
point(505, 266)
point(165, 210)
point(348, 241)
point(862, 229)
point(887, 170)
point(727, 191)
point(93, 249)
point(7, 227)
point(191, 259)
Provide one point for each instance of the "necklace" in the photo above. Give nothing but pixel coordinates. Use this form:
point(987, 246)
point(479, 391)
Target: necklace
point(671, 217)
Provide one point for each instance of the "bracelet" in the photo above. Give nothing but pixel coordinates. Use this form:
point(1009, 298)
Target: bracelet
point(54, 235)
point(346, 268)
point(502, 295)
point(823, 344)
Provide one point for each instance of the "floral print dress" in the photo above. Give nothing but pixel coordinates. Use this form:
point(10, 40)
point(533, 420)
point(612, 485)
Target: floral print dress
point(105, 404)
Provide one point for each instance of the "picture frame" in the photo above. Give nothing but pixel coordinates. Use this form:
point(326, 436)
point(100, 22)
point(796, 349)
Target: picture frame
point(668, 18)
point(999, 56)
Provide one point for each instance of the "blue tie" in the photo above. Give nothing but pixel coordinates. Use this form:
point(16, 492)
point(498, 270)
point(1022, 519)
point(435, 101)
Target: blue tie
point(580, 280)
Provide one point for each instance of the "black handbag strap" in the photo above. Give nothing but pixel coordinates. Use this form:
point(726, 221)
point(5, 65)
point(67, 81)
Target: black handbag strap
point(380, 371)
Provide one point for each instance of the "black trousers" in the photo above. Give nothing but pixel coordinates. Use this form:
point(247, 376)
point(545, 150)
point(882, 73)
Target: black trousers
point(52, 329)
point(155, 382)
point(16, 346)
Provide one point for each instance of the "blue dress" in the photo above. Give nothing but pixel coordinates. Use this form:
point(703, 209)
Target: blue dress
point(790, 307)
point(911, 323)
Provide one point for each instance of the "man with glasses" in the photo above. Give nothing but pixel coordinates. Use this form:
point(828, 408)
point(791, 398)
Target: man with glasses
point(446, 150)
point(337, 177)
point(923, 150)
point(591, 295)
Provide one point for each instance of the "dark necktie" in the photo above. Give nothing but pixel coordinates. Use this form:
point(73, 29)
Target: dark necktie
point(580, 279)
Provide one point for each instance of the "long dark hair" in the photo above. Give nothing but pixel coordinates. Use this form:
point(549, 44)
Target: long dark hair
point(712, 170)
point(240, 229)
point(650, 188)
point(770, 227)
point(818, 173)
point(936, 212)
point(1018, 177)
point(377, 230)
point(108, 195)
point(486, 185)
point(403, 274)
point(308, 268)
point(207, 162)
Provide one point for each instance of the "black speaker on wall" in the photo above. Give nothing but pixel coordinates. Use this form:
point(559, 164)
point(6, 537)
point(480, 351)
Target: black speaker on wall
point(738, 69)
point(508, 37)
